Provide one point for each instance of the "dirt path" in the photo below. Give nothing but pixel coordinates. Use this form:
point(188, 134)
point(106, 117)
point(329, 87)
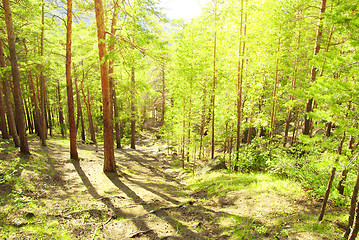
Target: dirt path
point(146, 199)
point(143, 201)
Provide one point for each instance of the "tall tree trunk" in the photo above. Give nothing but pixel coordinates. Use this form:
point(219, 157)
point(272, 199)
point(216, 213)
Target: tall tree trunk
point(109, 157)
point(79, 112)
point(8, 104)
point(89, 114)
point(49, 117)
point(117, 125)
point(43, 118)
point(239, 89)
point(38, 117)
point(133, 110)
point(203, 122)
point(314, 70)
point(294, 80)
point(354, 231)
point(326, 196)
point(29, 125)
point(274, 100)
point(213, 99)
point(163, 95)
point(3, 124)
point(61, 113)
point(353, 202)
point(19, 106)
point(112, 82)
point(70, 97)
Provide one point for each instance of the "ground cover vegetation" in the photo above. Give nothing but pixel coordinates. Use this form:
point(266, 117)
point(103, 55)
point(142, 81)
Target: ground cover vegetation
point(139, 103)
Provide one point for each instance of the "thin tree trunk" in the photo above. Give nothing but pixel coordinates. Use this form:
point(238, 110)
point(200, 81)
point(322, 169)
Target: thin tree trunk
point(109, 157)
point(37, 111)
point(79, 113)
point(70, 99)
point(274, 100)
point(352, 208)
point(326, 196)
point(289, 117)
point(117, 125)
point(203, 116)
point(112, 83)
point(213, 99)
point(133, 110)
point(3, 124)
point(49, 117)
point(354, 231)
point(239, 89)
point(314, 70)
point(61, 113)
point(29, 125)
point(8, 104)
point(89, 114)
point(43, 118)
point(163, 95)
point(19, 106)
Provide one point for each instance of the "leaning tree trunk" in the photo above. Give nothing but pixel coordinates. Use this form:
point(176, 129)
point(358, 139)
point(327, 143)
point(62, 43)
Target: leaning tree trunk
point(19, 106)
point(314, 70)
point(326, 196)
point(70, 98)
point(109, 157)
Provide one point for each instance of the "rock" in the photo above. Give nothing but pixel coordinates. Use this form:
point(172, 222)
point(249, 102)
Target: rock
point(216, 164)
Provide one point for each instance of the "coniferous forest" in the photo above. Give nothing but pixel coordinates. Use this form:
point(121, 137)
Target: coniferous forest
point(118, 122)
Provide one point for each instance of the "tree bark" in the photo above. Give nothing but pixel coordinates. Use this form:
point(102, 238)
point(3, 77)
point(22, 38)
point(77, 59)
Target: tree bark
point(3, 124)
point(28, 118)
point(163, 95)
point(239, 90)
point(274, 100)
point(79, 113)
point(89, 114)
point(314, 70)
point(352, 208)
point(109, 157)
point(213, 99)
point(133, 110)
point(61, 113)
point(354, 232)
point(70, 98)
point(40, 128)
point(326, 196)
point(112, 82)
point(43, 118)
point(19, 106)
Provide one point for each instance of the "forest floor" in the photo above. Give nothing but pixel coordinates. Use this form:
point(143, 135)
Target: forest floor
point(49, 196)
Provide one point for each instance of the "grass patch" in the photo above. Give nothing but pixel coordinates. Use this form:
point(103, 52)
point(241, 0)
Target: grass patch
point(219, 183)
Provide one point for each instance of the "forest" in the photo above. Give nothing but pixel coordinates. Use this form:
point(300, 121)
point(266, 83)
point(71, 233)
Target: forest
point(118, 122)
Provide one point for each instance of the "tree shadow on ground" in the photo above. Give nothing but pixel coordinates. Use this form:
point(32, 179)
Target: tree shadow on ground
point(114, 178)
